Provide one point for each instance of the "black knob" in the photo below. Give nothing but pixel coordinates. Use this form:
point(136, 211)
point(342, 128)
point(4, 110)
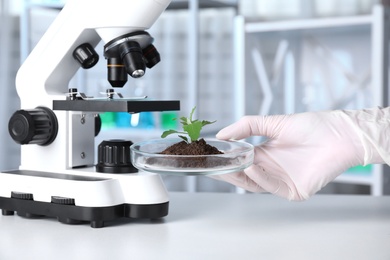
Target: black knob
point(33, 126)
point(86, 55)
point(114, 157)
point(62, 200)
point(98, 125)
point(22, 195)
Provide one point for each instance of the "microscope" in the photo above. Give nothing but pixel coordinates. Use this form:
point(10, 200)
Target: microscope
point(56, 126)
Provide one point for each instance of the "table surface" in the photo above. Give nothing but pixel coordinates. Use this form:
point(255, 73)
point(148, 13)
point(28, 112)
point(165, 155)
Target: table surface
point(216, 226)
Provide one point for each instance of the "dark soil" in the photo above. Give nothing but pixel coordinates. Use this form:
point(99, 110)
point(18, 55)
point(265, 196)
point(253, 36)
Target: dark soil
point(199, 147)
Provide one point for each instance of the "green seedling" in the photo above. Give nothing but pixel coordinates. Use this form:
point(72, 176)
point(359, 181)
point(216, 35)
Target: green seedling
point(191, 127)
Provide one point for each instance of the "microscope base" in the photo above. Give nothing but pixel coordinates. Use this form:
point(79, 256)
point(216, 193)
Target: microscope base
point(70, 214)
point(74, 198)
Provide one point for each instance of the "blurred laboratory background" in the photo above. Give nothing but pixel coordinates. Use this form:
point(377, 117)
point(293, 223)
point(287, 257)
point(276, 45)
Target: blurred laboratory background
point(228, 58)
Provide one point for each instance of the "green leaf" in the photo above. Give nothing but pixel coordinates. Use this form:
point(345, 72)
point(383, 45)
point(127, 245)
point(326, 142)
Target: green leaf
point(184, 138)
point(193, 130)
point(204, 122)
point(183, 120)
point(192, 112)
point(190, 126)
point(169, 132)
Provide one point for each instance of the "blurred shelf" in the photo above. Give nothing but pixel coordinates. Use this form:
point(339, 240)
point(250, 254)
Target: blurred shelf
point(184, 4)
point(376, 25)
point(371, 175)
point(356, 178)
point(307, 24)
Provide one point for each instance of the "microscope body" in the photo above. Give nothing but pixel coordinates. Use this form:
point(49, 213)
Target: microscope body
point(57, 176)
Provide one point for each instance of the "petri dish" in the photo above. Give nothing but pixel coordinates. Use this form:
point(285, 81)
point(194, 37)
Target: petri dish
point(147, 156)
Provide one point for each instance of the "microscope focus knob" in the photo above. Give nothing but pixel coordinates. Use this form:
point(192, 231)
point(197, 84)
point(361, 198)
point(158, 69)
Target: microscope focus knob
point(33, 126)
point(114, 157)
point(86, 55)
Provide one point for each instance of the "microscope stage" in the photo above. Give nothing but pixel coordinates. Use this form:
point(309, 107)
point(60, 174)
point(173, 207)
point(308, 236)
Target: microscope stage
point(116, 105)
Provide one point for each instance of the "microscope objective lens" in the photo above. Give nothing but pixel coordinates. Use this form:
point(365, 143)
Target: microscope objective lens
point(138, 73)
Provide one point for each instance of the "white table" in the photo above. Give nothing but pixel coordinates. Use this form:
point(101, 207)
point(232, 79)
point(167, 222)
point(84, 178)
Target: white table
point(216, 226)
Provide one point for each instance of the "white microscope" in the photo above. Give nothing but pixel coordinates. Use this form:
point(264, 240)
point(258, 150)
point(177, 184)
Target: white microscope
point(56, 125)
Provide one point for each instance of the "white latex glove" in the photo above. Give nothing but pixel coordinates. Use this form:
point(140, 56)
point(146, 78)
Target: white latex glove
point(306, 151)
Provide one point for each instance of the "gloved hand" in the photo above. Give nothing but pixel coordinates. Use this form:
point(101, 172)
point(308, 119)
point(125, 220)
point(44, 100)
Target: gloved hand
point(306, 151)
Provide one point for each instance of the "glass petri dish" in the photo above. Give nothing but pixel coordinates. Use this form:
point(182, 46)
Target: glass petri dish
point(236, 157)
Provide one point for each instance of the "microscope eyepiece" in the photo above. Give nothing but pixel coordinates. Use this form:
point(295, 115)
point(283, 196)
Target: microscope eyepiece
point(86, 55)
